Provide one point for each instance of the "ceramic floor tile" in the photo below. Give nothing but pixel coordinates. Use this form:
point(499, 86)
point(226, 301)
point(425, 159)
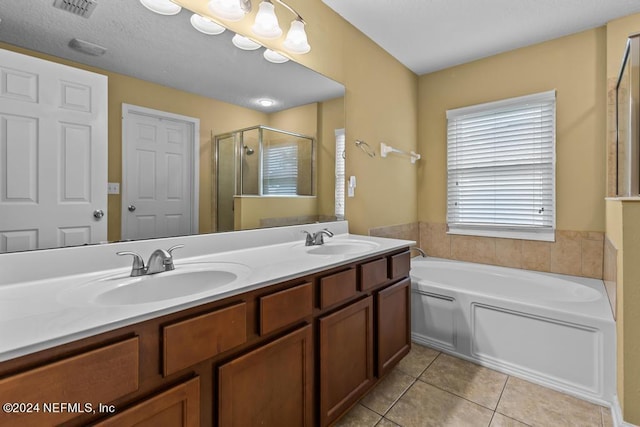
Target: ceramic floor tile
point(536, 405)
point(385, 394)
point(607, 419)
point(500, 420)
point(359, 416)
point(465, 379)
point(386, 423)
point(427, 406)
point(417, 360)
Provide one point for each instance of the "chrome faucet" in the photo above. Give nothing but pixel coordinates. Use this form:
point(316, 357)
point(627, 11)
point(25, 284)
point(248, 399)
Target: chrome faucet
point(317, 238)
point(420, 251)
point(159, 261)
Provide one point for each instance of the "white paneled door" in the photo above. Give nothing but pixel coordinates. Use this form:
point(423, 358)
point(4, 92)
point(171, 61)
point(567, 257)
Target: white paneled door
point(160, 173)
point(53, 154)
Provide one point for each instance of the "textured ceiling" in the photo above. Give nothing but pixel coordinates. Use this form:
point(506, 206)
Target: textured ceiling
point(429, 35)
point(165, 50)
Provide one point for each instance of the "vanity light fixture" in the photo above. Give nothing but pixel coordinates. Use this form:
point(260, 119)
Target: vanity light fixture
point(296, 41)
point(244, 43)
point(162, 7)
point(206, 25)
point(266, 23)
point(275, 57)
point(230, 10)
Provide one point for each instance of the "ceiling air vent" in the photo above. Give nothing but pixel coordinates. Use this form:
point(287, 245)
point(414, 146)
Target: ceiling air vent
point(82, 8)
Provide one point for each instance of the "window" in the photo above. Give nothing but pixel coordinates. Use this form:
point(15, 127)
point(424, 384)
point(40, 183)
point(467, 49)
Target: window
point(501, 168)
point(280, 173)
point(340, 173)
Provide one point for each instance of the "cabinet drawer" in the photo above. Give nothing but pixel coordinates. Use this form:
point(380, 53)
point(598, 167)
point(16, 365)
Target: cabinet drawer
point(97, 376)
point(285, 307)
point(400, 265)
point(194, 340)
point(372, 274)
point(337, 287)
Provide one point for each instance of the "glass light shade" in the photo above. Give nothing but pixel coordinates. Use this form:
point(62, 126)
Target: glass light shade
point(162, 7)
point(275, 57)
point(244, 43)
point(206, 25)
point(296, 41)
point(229, 10)
point(266, 23)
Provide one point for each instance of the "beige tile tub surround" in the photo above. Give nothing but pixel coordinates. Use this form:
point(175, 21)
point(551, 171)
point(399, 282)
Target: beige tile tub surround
point(402, 231)
point(578, 253)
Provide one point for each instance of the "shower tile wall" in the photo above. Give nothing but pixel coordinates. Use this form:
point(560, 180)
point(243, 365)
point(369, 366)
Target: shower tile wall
point(578, 253)
point(403, 231)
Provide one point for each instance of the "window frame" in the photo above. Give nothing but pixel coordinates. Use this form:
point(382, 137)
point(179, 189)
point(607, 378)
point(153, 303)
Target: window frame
point(525, 232)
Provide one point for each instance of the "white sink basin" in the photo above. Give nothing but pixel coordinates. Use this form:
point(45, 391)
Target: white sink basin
point(186, 280)
point(342, 247)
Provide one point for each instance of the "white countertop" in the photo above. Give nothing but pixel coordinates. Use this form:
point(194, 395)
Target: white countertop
point(38, 314)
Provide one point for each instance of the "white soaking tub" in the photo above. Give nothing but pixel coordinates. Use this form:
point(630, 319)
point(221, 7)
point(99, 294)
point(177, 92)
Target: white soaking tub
point(552, 329)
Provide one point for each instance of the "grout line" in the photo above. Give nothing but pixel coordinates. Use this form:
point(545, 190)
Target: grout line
point(459, 397)
point(502, 392)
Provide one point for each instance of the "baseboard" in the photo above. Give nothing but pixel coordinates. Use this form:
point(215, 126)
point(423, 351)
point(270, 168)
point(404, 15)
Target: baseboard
point(616, 414)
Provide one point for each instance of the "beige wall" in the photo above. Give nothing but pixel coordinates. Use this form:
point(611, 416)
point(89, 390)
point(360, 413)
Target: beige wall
point(574, 67)
point(380, 105)
point(623, 230)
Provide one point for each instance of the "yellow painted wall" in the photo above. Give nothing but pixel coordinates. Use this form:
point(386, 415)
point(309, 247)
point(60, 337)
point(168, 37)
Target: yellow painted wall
point(380, 105)
point(248, 211)
point(574, 66)
point(623, 229)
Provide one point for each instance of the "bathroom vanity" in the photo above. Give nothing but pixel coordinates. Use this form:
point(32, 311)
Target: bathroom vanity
point(294, 351)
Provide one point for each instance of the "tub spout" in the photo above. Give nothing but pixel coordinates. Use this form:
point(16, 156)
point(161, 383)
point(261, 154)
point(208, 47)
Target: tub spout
point(420, 251)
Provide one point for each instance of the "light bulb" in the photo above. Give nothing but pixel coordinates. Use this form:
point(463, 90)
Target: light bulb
point(275, 57)
point(266, 23)
point(227, 9)
point(206, 25)
point(162, 7)
point(266, 102)
point(296, 41)
point(244, 43)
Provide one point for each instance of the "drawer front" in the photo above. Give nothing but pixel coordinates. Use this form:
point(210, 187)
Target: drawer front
point(194, 340)
point(285, 307)
point(400, 265)
point(97, 376)
point(373, 274)
point(337, 288)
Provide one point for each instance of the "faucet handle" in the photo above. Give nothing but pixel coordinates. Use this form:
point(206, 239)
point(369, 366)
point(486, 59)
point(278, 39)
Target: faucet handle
point(173, 248)
point(310, 238)
point(137, 269)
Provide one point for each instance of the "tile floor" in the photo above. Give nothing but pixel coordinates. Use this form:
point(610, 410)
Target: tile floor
point(429, 388)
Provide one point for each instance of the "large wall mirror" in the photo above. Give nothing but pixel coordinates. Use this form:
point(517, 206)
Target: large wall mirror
point(163, 74)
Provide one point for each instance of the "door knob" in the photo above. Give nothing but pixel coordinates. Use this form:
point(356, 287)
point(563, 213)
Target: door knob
point(98, 213)
point(131, 208)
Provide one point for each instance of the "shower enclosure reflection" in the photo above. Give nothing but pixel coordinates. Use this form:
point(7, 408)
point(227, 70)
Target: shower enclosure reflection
point(265, 178)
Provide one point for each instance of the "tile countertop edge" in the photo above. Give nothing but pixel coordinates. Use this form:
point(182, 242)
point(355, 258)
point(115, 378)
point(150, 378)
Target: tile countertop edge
point(29, 338)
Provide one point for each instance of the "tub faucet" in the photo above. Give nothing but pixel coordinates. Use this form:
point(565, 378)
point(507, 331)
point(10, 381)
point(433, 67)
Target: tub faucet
point(317, 238)
point(420, 251)
point(159, 261)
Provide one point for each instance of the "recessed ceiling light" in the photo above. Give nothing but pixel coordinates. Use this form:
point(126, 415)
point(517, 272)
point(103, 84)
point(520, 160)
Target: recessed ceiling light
point(266, 102)
point(163, 7)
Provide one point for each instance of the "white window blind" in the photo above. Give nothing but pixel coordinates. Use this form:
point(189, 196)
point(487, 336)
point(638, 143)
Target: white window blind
point(280, 172)
point(501, 168)
point(340, 174)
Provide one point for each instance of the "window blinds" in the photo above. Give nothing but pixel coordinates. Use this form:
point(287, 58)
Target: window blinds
point(280, 173)
point(340, 174)
point(501, 164)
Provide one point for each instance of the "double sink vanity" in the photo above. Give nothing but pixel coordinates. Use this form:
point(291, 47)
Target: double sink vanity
point(242, 329)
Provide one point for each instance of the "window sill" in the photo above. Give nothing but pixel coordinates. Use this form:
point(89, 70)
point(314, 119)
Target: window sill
point(544, 236)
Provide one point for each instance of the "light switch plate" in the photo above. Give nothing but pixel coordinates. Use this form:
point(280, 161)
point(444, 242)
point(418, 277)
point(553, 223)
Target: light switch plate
point(113, 188)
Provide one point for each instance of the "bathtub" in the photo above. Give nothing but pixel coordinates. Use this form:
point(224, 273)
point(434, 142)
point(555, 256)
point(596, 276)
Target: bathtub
point(551, 329)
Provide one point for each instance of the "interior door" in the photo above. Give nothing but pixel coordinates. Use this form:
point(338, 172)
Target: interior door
point(159, 174)
point(53, 154)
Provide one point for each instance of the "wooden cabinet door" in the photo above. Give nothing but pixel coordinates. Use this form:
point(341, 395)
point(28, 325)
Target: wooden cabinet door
point(393, 324)
point(177, 407)
point(346, 358)
point(269, 386)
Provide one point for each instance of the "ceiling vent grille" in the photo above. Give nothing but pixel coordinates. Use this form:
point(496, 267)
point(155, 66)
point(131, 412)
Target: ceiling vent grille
point(82, 8)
